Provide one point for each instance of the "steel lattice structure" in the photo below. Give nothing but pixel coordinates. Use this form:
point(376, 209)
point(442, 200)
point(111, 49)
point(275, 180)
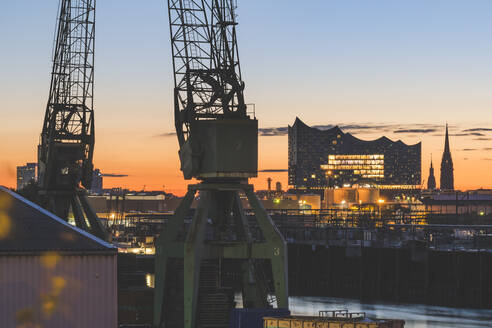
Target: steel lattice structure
point(67, 139)
point(69, 114)
point(207, 73)
point(218, 141)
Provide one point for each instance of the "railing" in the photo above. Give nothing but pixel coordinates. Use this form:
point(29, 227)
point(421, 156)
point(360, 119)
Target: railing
point(342, 314)
point(345, 228)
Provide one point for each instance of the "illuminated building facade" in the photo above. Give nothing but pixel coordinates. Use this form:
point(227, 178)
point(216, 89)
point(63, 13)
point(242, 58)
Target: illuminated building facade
point(332, 158)
point(26, 174)
point(369, 166)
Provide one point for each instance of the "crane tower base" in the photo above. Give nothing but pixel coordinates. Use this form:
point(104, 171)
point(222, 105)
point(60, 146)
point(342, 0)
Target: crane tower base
point(188, 289)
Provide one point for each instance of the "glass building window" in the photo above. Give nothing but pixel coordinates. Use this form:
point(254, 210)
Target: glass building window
point(366, 166)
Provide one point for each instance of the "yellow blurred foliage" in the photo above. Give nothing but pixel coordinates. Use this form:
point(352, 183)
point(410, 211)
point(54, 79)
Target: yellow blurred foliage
point(50, 259)
point(5, 225)
point(26, 319)
point(48, 304)
point(58, 284)
point(67, 236)
point(5, 202)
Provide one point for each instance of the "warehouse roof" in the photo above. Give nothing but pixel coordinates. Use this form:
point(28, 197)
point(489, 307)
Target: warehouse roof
point(26, 227)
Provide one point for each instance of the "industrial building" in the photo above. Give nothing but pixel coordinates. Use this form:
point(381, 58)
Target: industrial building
point(469, 203)
point(319, 159)
point(351, 195)
point(97, 182)
point(26, 174)
point(52, 274)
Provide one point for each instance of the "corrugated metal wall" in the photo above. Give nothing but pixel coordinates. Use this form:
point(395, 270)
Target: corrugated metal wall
point(53, 290)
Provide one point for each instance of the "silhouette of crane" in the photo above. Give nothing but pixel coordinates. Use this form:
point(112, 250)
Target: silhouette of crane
point(67, 139)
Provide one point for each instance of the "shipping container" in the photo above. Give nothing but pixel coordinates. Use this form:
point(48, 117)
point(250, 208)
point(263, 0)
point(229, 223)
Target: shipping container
point(331, 319)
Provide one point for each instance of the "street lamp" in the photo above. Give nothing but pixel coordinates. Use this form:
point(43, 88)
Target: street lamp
point(380, 202)
point(328, 175)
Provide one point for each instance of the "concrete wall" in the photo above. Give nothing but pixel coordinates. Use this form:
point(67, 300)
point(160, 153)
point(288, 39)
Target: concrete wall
point(408, 275)
point(55, 290)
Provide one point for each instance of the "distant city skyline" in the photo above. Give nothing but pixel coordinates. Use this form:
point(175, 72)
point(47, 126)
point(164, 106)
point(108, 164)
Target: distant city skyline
point(399, 69)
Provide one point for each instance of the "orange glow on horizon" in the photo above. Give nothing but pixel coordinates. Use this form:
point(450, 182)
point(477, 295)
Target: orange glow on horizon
point(152, 163)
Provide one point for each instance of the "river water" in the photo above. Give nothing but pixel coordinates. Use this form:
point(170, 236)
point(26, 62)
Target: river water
point(415, 316)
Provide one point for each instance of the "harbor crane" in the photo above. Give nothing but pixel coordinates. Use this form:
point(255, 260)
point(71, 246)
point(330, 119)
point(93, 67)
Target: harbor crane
point(67, 139)
point(218, 145)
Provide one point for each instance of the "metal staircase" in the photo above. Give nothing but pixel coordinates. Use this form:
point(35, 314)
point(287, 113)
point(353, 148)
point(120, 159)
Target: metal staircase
point(215, 302)
point(173, 305)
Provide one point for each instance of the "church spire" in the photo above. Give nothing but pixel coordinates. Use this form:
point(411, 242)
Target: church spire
point(446, 141)
point(447, 174)
point(431, 182)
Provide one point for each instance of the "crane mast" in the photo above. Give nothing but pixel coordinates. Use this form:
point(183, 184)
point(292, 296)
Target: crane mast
point(208, 85)
point(207, 75)
point(67, 139)
point(218, 141)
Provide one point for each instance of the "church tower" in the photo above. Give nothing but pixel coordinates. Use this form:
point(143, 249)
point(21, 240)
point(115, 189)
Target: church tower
point(431, 182)
point(447, 175)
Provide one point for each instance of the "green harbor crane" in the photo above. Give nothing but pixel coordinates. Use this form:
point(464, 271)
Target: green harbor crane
point(218, 140)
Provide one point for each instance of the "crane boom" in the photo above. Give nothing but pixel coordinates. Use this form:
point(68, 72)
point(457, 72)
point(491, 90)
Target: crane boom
point(209, 88)
point(69, 117)
point(67, 139)
point(207, 72)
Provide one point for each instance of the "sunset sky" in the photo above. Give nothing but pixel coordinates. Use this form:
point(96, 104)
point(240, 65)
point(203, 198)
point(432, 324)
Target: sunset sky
point(382, 67)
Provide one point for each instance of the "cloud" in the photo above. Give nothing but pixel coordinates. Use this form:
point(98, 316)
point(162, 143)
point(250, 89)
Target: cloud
point(165, 135)
point(461, 134)
point(274, 170)
point(283, 130)
point(360, 128)
point(366, 127)
point(415, 131)
point(478, 130)
point(475, 134)
point(272, 132)
point(112, 175)
point(482, 139)
point(477, 149)
point(486, 159)
point(418, 128)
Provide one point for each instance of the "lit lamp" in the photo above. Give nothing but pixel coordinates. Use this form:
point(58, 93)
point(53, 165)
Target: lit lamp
point(328, 175)
point(380, 202)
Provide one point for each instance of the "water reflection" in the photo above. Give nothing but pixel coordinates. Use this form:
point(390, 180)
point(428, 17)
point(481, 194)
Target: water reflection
point(415, 316)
